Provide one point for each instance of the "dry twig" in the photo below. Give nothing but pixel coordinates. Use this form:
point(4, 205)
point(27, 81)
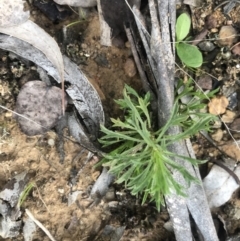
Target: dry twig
point(39, 225)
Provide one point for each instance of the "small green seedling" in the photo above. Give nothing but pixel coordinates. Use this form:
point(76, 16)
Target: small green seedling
point(189, 54)
point(25, 193)
point(141, 159)
point(74, 23)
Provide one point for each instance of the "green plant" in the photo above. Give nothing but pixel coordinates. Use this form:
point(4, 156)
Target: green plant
point(141, 159)
point(25, 193)
point(74, 23)
point(189, 54)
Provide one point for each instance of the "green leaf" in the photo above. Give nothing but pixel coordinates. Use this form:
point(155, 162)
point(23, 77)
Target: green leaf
point(189, 55)
point(183, 26)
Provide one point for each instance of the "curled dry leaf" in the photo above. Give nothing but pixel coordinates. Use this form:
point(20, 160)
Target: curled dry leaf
point(218, 105)
point(77, 131)
point(14, 22)
point(83, 94)
point(36, 36)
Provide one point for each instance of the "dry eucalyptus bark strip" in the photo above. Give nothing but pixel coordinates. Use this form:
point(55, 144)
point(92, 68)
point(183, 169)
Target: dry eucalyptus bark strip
point(143, 76)
point(85, 97)
point(161, 57)
point(145, 37)
point(104, 27)
point(37, 37)
point(137, 61)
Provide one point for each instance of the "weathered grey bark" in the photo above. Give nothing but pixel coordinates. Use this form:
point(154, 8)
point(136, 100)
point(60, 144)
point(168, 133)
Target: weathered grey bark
point(143, 76)
point(141, 72)
point(160, 54)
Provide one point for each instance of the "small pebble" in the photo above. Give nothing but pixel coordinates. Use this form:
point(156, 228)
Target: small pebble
point(110, 195)
point(101, 60)
point(169, 226)
point(130, 68)
point(205, 82)
point(218, 135)
point(214, 30)
point(61, 190)
point(94, 160)
point(210, 21)
point(226, 55)
point(8, 115)
point(84, 46)
point(203, 15)
point(51, 142)
point(113, 204)
point(98, 46)
point(229, 116)
point(218, 105)
point(227, 36)
point(206, 46)
point(118, 42)
point(217, 124)
point(127, 44)
point(233, 101)
point(235, 126)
